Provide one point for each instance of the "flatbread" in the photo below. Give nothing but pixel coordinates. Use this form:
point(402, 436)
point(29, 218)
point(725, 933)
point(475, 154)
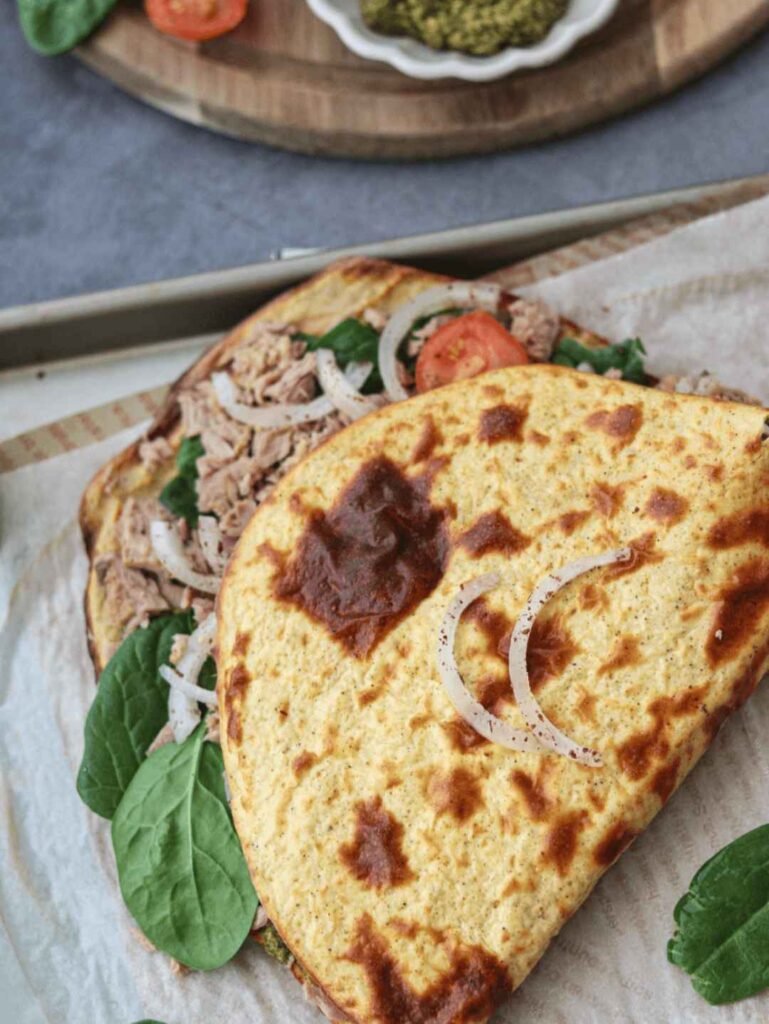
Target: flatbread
point(417, 872)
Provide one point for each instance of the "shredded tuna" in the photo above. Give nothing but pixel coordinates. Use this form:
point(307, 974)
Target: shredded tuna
point(212, 727)
point(133, 531)
point(296, 384)
point(166, 735)
point(221, 437)
point(706, 385)
point(422, 334)
point(155, 453)
point(374, 318)
point(131, 596)
point(233, 522)
point(201, 608)
point(536, 326)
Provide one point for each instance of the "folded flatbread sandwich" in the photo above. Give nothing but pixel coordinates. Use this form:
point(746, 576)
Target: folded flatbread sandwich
point(468, 641)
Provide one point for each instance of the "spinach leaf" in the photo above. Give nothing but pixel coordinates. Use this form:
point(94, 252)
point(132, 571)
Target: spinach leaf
point(351, 341)
point(54, 26)
point(129, 710)
point(179, 495)
point(722, 936)
point(626, 356)
point(182, 872)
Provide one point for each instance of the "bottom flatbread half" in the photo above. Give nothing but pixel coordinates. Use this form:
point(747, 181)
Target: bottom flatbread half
point(417, 871)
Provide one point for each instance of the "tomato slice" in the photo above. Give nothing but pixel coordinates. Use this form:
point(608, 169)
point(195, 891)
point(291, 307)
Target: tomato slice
point(195, 19)
point(464, 347)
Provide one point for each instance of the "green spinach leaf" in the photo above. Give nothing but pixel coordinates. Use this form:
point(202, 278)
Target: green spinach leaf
point(129, 710)
point(626, 356)
point(179, 495)
point(182, 872)
point(55, 26)
point(351, 341)
point(722, 936)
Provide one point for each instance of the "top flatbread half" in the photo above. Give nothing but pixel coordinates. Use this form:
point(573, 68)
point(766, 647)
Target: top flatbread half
point(417, 871)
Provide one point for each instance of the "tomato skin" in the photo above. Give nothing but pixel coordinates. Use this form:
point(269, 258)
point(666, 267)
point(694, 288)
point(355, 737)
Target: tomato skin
point(196, 20)
point(464, 347)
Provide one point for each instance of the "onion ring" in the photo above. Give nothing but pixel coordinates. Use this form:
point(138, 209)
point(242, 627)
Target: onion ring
point(167, 545)
point(541, 726)
point(184, 694)
point(471, 710)
point(338, 389)
point(433, 300)
point(278, 417)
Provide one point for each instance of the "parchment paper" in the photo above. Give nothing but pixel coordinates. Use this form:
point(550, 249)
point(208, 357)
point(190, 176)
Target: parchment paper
point(699, 298)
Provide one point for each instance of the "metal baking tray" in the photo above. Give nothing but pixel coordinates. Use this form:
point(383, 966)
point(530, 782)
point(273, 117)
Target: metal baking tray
point(87, 325)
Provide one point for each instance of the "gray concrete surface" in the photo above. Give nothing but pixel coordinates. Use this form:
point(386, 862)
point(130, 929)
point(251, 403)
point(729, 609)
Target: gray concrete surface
point(98, 190)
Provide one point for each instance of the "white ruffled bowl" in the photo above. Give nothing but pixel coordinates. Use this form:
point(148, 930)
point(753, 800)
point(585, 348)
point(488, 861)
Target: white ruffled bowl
point(419, 61)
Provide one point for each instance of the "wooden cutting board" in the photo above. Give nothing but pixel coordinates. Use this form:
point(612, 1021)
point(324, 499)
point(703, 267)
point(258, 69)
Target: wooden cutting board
point(284, 78)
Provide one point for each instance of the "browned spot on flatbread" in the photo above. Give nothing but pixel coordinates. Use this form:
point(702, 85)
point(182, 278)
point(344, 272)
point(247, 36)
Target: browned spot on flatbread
point(740, 608)
point(495, 626)
point(278, 558)
point(625, 652)
point(241, 644)
point(637, 753)
point(235, 691)
point(502, 423)
point(715, 471)
point(375, 856)
point(462, 736)
point(408, 929)
point(493, 391)
point(375, 691)
point(615, 841)
point(592, 596)
point(749, 524)
point(621, 424)
point(364, 564)
point(562, 838)
point(569, 521)
point(493, 532)
point(586, 706)
point(428, 441)
point(551, 648)
point(666, 506)
point(457, 793)
point(607, 499)
point(742, 689)
point(533, 792)
point(664, 780)
point(303, 762)
point(643, 552)
point(536, 438)
point(472, 986)
point(494, 692)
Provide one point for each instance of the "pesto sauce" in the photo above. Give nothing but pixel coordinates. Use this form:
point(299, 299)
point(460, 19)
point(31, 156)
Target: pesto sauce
point(478, 27)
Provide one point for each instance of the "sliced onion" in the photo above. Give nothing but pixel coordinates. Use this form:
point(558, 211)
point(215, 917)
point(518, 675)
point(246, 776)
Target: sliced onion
point(473, 712)
point(210, 537)
point(541, 726)
point(337, 388)
point(185, 694)
point(458, 293)
point(277, 417)
point(170, 552)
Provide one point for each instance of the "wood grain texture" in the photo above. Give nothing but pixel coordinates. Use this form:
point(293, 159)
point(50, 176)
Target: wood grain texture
point(284, 78)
